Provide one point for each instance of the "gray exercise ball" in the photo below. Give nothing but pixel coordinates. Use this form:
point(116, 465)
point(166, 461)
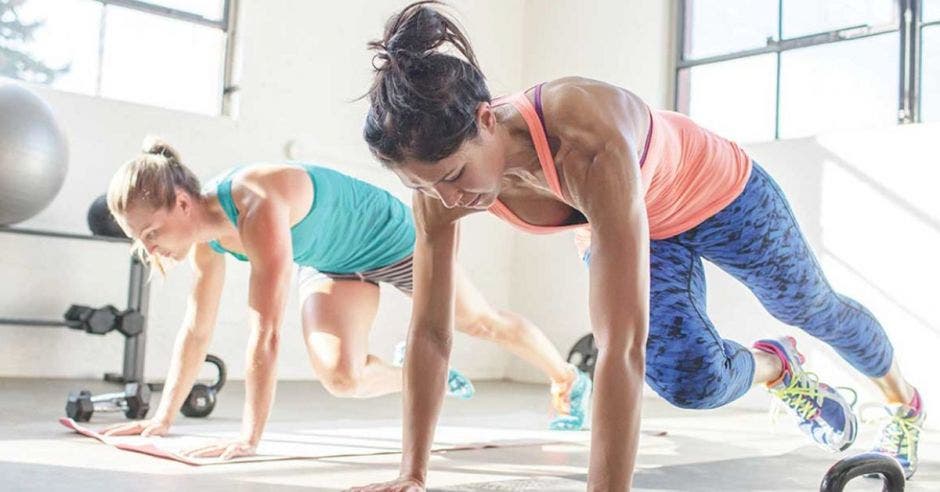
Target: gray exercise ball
point(34, 154)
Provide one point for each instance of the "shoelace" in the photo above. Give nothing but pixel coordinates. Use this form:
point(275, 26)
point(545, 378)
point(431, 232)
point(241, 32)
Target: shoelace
point(456, 383)
point(802, 395)
point(900, 433)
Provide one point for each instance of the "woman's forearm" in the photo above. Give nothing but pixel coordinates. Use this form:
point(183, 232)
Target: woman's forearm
point(618, 391)
point(429, 343)
point(260, 381)
point(425, 383)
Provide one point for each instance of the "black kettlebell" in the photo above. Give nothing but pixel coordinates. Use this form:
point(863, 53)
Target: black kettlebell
point(100, 220)
point(583, 354)
point(892, 475)
point(201, 399)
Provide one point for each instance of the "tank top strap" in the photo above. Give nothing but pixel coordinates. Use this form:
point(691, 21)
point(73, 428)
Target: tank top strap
point(533, 121)
point(223, 188)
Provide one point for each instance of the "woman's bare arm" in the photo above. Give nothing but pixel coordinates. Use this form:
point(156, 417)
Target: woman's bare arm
point(596, 124)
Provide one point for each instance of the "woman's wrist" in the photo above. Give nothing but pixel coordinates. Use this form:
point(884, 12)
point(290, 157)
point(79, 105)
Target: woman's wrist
point(414, 471)
point(164, 416)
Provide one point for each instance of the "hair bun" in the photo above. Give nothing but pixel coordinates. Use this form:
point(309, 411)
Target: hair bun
point(154, 145)
point(419, 29)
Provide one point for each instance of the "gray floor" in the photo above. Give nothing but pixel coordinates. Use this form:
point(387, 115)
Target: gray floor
point(700, 451)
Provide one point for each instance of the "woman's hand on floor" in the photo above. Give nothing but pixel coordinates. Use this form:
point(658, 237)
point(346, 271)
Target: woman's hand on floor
point(144, 428)
point(399, 485)
point(225, 450)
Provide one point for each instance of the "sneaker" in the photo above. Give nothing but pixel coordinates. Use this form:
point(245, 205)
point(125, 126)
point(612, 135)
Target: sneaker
point(900, 435)
point(822, 413)
point(571, 402)
point(458, 385)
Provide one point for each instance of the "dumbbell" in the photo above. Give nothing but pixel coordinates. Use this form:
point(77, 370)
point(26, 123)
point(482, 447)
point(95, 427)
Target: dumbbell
point(134, 402)
point(201, 399)
point(95, 321)
point(870, 464)
point(102, 320)
point(130, 323)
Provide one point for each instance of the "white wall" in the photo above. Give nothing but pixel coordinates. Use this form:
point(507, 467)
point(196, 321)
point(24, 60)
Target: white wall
point(301, 64)
point(623, 42)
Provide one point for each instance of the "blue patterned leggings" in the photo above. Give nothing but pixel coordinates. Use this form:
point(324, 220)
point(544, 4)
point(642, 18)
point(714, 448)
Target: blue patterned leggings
point(755, 239)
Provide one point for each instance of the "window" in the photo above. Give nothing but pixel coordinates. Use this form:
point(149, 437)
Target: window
point(716, 100)
point(169, 53)
point(931, 10)
point(726, 26)
point(849, 85)
point(806, 17)
point(930, 52)
point(755, 70)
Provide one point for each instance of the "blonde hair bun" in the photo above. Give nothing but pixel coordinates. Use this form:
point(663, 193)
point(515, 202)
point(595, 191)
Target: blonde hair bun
point(154, 145)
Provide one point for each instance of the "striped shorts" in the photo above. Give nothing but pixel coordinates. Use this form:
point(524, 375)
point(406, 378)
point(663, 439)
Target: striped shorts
point(398, 274)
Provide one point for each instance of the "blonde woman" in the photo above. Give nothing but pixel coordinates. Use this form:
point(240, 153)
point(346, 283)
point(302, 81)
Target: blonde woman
point(345, 235)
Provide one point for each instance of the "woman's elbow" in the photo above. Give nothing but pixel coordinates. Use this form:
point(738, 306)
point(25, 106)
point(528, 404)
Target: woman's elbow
point(629, 347)
point(437, 341)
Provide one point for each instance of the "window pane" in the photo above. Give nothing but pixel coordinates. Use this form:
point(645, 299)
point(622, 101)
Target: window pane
point(735, 99)
point(844, 85)
point(210, 9)
point(930, 83)
point(63, 51)
point(931, 11)
point(164, 62)
point(717, 27)
point(803, 17)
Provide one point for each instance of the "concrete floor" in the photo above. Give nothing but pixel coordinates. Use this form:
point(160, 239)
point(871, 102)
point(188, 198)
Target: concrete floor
point(721, 450)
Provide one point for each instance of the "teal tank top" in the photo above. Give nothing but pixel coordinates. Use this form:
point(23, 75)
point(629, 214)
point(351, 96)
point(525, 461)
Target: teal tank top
point(352, 226)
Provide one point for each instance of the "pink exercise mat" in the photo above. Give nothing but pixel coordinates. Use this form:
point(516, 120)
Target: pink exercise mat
point(324, 443)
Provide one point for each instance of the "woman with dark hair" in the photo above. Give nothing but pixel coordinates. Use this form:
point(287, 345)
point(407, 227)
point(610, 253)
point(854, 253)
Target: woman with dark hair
point(651, 194)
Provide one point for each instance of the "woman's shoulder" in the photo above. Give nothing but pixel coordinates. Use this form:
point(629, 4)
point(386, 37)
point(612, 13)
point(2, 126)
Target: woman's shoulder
point(579, 106)
point(578, 95)
point(260, 183)
point(265, 176)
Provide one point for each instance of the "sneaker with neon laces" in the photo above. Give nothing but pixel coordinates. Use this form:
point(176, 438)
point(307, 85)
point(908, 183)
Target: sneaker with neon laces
point(822, 412)
point(571, 401)
point(900, 435)
point(458, 385)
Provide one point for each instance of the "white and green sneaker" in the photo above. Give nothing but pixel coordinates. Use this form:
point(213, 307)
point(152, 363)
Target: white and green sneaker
point(900, 435)
point(571, 402)
point(821, 412)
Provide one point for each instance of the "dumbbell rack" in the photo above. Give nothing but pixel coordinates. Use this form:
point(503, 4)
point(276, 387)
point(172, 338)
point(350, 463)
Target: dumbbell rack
point(138, 298)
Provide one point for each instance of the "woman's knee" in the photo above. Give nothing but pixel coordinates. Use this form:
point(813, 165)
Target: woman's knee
point(690, 395)
point(342, 381)
point(690, 399)
point(702, 381)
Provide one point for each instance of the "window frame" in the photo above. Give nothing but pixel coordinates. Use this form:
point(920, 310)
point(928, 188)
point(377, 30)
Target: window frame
point(227, 25)
point(909, 25)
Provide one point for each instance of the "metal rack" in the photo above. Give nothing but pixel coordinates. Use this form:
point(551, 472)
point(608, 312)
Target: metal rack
point(138, 299)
